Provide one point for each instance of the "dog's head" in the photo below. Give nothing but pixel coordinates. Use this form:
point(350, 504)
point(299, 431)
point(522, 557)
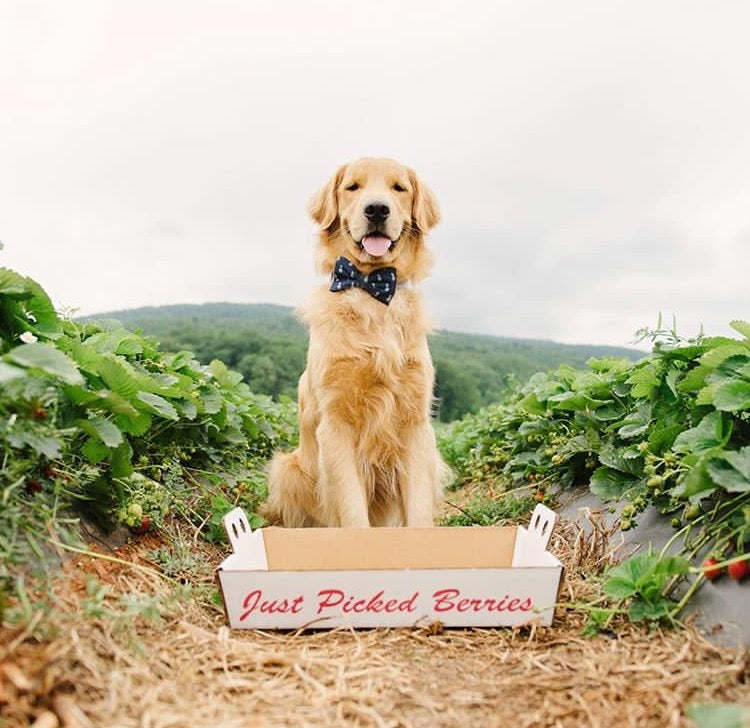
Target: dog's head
point(375, 212)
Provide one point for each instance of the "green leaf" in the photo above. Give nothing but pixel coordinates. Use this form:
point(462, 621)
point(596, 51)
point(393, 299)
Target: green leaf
point(609, 484)
point(729, 478)
point(740, 460)
point(136, 424)
point(634, 429)
point(180, 360)
point(645, 381)
point(706, 395)
point(168, 385)
point(710, 432)
point(157, 405)
point(28, 305)
point(644, 575)
point(86, 358)
point(104, 429)
point(232, 434)
point(716, 356)
point(94, 450)
point(105, 342)
point(116, 403)
point(734, 367)
point(8, 372)
point(81, 395)
point(211, 401)
point(573, 402)
point(662, 439)
point(667, 567)
point(741, 327)
point(673, 375)
point(187, 408)
point(12, 283)
point(620, 587)
point(641, 609)
point(636, 424)
point(224, 376)
point(120, 463)
point(617, 459)
point(129, 346)
point(695, 484)
point(46, 321)
point(42, 444)
point(626, 578)
point(732, 396)
point(719, 715)
point(609, 412)
point(731, 470)
point(48, 359)
point(695, 379)
point(118, 375)
point(532, 405)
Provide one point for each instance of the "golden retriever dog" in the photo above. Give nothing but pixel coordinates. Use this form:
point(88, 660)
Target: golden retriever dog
point(367, 453)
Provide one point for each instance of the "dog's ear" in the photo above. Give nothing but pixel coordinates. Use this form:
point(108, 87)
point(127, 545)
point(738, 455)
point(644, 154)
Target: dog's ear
point(323, 207)
point(425, 210)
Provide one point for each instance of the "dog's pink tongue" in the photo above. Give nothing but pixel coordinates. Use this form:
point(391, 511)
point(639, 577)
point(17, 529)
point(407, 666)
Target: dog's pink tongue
point(376, 245)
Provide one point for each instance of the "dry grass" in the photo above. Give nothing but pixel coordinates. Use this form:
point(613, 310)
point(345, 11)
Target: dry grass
point(188, 669)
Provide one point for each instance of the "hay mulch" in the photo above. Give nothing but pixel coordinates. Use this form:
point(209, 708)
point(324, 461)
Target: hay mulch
point(185, 668)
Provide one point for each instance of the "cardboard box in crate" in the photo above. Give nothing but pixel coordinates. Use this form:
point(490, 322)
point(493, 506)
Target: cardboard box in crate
point(389, 577)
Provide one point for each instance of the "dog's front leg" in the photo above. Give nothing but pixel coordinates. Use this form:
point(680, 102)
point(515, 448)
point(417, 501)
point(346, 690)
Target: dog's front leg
point(420, 482)
point(342, 491)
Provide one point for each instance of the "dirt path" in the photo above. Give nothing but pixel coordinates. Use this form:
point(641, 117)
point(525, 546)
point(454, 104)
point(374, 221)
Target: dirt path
point(132, 648)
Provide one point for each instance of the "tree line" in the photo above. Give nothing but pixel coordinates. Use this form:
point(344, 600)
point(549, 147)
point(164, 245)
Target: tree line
point(269, 347)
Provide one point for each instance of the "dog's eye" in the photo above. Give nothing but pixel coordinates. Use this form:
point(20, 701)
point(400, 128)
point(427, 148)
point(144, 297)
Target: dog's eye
point(398, 188)
point(352, 187)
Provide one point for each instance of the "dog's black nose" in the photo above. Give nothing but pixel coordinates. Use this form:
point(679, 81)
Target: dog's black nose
point(377, 211)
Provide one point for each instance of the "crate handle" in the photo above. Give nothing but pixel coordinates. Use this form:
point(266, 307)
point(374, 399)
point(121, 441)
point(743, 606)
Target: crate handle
point(247, 545)
point(542, 523)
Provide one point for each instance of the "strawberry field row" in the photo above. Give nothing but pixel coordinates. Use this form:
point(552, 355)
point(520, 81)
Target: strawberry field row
point(96, 418)
point(670, 432)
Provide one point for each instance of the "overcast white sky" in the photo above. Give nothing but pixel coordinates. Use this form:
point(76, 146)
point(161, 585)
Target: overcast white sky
point(592, 158)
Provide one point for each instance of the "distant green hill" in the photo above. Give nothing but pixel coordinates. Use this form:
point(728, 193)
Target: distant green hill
point(268, 345)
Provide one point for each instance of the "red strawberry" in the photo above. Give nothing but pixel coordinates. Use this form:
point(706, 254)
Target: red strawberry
point(33, 485)
point(739, 570)
point(39, 413)
point(710, 571)
point(144, 526)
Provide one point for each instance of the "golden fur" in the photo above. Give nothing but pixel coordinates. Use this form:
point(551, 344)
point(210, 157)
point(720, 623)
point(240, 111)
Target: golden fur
point(367, 453)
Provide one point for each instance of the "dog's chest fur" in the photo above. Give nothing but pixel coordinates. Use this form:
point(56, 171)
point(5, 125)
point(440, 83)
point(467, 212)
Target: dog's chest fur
point(368, 361)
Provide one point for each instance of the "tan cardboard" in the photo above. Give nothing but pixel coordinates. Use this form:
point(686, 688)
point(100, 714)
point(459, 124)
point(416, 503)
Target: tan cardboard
point(308, 549)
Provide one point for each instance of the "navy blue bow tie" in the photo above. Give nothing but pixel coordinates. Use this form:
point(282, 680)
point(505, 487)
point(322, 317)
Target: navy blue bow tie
point(380, 284)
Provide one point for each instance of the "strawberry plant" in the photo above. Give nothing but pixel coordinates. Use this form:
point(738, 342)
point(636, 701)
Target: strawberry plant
point(97, 418)
point(670, 432)
point(641, 582)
